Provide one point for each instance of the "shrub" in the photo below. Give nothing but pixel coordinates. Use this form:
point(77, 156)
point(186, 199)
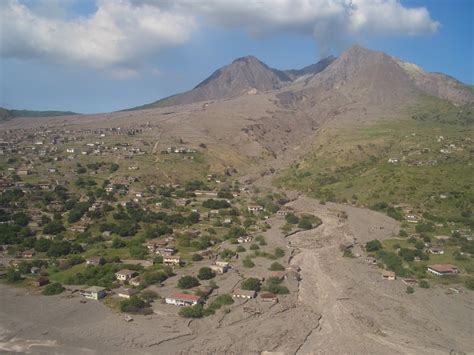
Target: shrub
point(277, 267)
point(13, 275)
point(273, 285)
point(254, 247)
point(403, 233)
point(205, 273)
point(132, 305)
point(305, 224)
point(291, 218)
point(469, 284)
point(424, 284)
point(219, 301)
point(196, 311)
point(240, 249)
point(279, 252)
point(118, 243)
point(196, 257)
point(373, 245)
point(227, 254)
point(53, 289)
point(251, 284)
point(247, 262)
point(154, 277)
point(187, 282)
point(149, 295)
point(410, 290)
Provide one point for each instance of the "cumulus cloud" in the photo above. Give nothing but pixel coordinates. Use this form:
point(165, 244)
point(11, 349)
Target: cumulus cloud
point(121, 34)
point(117, 36)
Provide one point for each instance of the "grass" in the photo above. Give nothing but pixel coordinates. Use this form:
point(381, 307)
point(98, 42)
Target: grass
point(62, 276)
point(352, 166)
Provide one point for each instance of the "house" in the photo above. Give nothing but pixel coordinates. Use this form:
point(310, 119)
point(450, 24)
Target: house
point(206, 253)
point(154, 244)
point(70, 150)
point(388, 275)
point(183, 299)
point(436, 250)
point(41, 281)
point(167, 251)
point(412, 218)
point(393, 160)
point(93, 292)
point(125, 274)
point(126, 292)
point(135, 281)
point(222, 263)
point(181, 202)
point(23, 172)
point(282, 213)
point(269, 297)
point(248, 294)
point(95, 260)
point(371, 260)
point(244, 239)
point(255, 208)
point(171, 260)
point(28, 254)
point(443, 269)
point(218, 269)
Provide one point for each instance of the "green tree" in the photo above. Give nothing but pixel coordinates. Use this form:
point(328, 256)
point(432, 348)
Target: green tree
point(424, 284)
point(469, 284)
point(291, 218)
point(205, 273)
point(13, 275)
point(277, 267)
point(279, 252)
point(196, 257)
point(196, 311)
point(149, 295)
point(251, 283)
point(248, 263)
point(186, 282)
point(53, 289)
point(305, 224)
point(132, 305)
point(154, 277)
point(373, 245)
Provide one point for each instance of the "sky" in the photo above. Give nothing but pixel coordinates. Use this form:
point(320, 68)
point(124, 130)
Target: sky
point(93, 56)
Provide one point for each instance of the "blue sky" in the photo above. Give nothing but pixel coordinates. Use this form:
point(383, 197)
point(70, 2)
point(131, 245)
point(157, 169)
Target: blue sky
point(98, 56)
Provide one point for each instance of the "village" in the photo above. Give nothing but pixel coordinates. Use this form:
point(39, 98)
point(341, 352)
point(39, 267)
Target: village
point(80, 218)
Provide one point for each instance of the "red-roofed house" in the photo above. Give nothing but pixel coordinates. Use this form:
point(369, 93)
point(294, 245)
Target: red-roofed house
point(443, 269)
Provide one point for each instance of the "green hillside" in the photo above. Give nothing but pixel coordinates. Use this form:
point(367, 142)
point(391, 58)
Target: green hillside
point(431, 172)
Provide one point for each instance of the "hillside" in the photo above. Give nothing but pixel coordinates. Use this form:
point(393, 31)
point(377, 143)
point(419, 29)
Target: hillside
point(6, 114)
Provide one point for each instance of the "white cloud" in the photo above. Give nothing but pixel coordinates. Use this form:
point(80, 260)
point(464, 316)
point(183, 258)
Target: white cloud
point(122, 34)
point(119, 34)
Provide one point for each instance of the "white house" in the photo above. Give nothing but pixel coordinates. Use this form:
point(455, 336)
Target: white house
point(125, 274)
point(94, 292)
point(183, 299)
